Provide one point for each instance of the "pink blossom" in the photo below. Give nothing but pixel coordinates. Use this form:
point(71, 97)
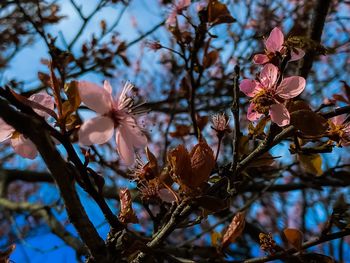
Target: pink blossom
point(268, 96)
point(177, 9)
point(114, 113)
point(339, 130)
point(274, 44)
point(21, 144)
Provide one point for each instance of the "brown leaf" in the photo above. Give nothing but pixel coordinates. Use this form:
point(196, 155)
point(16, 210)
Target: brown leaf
point(218, 13)
point(234, 230)
point(212, 204)
point(180, 164)
point(202, 121)
point(294, 237)
point(298, 105)
point(210, 58)
point(181, 131)
point(44, 78)
point(4, 255)
point(126, 214)
point(309, 122)
point(71, 89)
point(202, 163)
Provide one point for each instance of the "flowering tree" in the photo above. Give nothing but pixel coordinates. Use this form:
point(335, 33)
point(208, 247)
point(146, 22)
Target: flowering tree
point(200, 131)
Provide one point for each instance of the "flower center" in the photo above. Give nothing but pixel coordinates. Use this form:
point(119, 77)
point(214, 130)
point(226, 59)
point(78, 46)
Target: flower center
point(117, 116)
point(263, 100)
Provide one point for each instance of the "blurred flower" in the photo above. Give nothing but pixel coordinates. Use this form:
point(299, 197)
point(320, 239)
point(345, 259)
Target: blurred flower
point(268, 97)
point(21, 144)
point(115, 113)
point(339, 130)
point(274, 44)
point(153, 184)
point(220, 123)
point(154, 45)
point(176, 10)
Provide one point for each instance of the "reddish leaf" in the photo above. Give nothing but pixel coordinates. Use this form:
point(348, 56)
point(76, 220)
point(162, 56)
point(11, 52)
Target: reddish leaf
point(294, 237)
point(309, 122)
point(126, 214)
point(212, 204)
point(181, 131)
point(210, 58)
point(234, 230)
point(202, 163)
point(218, 13)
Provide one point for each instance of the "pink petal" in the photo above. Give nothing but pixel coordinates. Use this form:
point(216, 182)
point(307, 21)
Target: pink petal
point(249, 87)
point(45, 100)
point(124, 146)
point(268, 75)
point(291, 87)
point(338, 120)
point(95, 97)
point(5, 130)
point(134, 132)
point(261, 59)
point(275, 41)
point(253, 115)
point(107, 86)
point(24, 147)
point(128, 137)
point(279, 114)
point(171, 20)
point(297, 55)
point(183, 4)
point(97, 130)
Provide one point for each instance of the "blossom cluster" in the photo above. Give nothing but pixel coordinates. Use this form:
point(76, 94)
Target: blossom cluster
point(270, 92)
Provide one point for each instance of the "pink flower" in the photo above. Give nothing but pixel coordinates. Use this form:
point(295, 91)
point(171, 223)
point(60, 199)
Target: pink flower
point(21, 144)
point(221, 123)
point(268, 97)
point(114, 113)
point(177, 9)
point(273, 45)
point(339, 130)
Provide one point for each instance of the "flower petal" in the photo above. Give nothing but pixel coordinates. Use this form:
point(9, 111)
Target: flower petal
point(24, 147)
point(268, 75)
point(96, 130)
point(291, 87)
point(45, 100)
point(107, 86)
point(339, 120)
point(297, 55)
point(95, 97)
point(128, 137)
point(279, 114)
point(275, 40)
point(249, 87)
point(124, 146)
point(5, 130)
point(260, 59)
point(135, 135)
point(253, 115)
